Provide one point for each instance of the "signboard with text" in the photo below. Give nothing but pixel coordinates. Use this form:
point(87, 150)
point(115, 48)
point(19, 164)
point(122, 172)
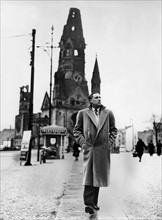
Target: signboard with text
point(25, 145)
point(25, 141)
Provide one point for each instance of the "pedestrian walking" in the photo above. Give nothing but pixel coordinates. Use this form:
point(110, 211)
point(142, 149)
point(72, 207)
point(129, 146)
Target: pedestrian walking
point(95, 131)
point(140, 148)
point(43, 154)
point(159, 146)
point(76, 150)
point(151, 148)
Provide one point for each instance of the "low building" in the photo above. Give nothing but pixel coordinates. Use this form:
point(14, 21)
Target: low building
point(6, 138)
point(157, 131)
point(121, 140)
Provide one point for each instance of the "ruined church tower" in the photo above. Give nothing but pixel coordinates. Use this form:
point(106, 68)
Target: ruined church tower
point(70, 91)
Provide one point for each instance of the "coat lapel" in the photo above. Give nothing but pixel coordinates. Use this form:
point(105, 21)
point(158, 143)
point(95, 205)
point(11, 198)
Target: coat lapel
point(103, 115)
point(92, 117)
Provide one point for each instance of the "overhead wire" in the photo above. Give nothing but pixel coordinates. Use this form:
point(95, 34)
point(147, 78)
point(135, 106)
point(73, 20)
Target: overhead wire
point(15, 36)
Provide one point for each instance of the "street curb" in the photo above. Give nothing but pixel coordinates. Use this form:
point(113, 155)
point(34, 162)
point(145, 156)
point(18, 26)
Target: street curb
point(71, 205)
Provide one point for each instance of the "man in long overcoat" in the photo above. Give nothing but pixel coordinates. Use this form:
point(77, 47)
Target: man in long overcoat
point(95, 132)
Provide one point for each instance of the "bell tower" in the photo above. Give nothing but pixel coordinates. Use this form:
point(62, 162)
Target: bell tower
point(22, 119)
point(70, 92)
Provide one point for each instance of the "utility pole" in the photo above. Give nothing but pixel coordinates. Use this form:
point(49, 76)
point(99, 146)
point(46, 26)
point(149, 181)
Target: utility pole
point(30, 124)
point(51, 67)
point(51, 59)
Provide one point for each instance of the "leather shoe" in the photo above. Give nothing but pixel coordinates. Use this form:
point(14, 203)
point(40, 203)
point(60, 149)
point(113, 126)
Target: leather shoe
point(96, 207)
point(90, 210)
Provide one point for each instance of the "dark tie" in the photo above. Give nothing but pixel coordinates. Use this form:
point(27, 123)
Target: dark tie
point(96, 111)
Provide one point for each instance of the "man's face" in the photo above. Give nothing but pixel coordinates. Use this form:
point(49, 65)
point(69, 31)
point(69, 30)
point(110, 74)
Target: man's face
point(96, 100)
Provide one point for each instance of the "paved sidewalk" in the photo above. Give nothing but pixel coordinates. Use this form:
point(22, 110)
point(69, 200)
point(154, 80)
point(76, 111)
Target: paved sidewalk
point(133, 194)
point(71, 205)
point(54, 190)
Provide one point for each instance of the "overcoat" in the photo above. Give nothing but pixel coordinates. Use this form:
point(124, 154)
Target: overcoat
point(96, 141)
point(140, 147)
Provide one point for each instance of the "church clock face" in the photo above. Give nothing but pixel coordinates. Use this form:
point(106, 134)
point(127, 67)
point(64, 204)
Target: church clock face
point(77, 77)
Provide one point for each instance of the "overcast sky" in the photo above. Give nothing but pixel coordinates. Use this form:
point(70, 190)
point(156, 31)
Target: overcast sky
point(125, 35)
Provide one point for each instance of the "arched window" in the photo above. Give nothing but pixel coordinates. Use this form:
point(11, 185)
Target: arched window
point(67, 52)
point(73, 15)
point(75, 53)
point(73, 28)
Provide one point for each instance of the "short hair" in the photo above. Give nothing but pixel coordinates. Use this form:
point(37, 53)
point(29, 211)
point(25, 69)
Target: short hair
point(91, 95)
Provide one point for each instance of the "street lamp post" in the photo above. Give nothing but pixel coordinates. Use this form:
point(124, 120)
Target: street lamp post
point(51, 67)
point(51, 59)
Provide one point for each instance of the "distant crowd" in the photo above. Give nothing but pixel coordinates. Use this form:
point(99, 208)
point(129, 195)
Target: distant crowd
point(141, 147)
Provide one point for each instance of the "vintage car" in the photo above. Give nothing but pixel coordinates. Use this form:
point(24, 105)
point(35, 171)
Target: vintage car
point(51, 152)
point(48, 153)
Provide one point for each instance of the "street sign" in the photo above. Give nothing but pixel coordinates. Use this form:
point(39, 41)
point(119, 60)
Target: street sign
point(25, 141)
point(25, 146)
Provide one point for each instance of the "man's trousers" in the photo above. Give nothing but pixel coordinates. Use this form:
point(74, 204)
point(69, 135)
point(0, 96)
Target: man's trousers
point(90, 195)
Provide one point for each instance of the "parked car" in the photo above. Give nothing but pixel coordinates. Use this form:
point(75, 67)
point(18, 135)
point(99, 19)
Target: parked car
point(51, 152)
point(48, 153)
point(1, 147)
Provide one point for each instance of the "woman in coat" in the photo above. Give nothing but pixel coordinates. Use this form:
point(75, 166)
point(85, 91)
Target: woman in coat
point(76, 150)
point(140, 148)
point(95, 133)
point(151, 148)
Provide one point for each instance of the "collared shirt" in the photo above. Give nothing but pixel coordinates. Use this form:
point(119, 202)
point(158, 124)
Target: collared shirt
point(96, 113)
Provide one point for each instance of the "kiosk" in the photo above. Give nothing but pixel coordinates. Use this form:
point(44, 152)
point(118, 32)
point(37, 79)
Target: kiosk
point(54, 141)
